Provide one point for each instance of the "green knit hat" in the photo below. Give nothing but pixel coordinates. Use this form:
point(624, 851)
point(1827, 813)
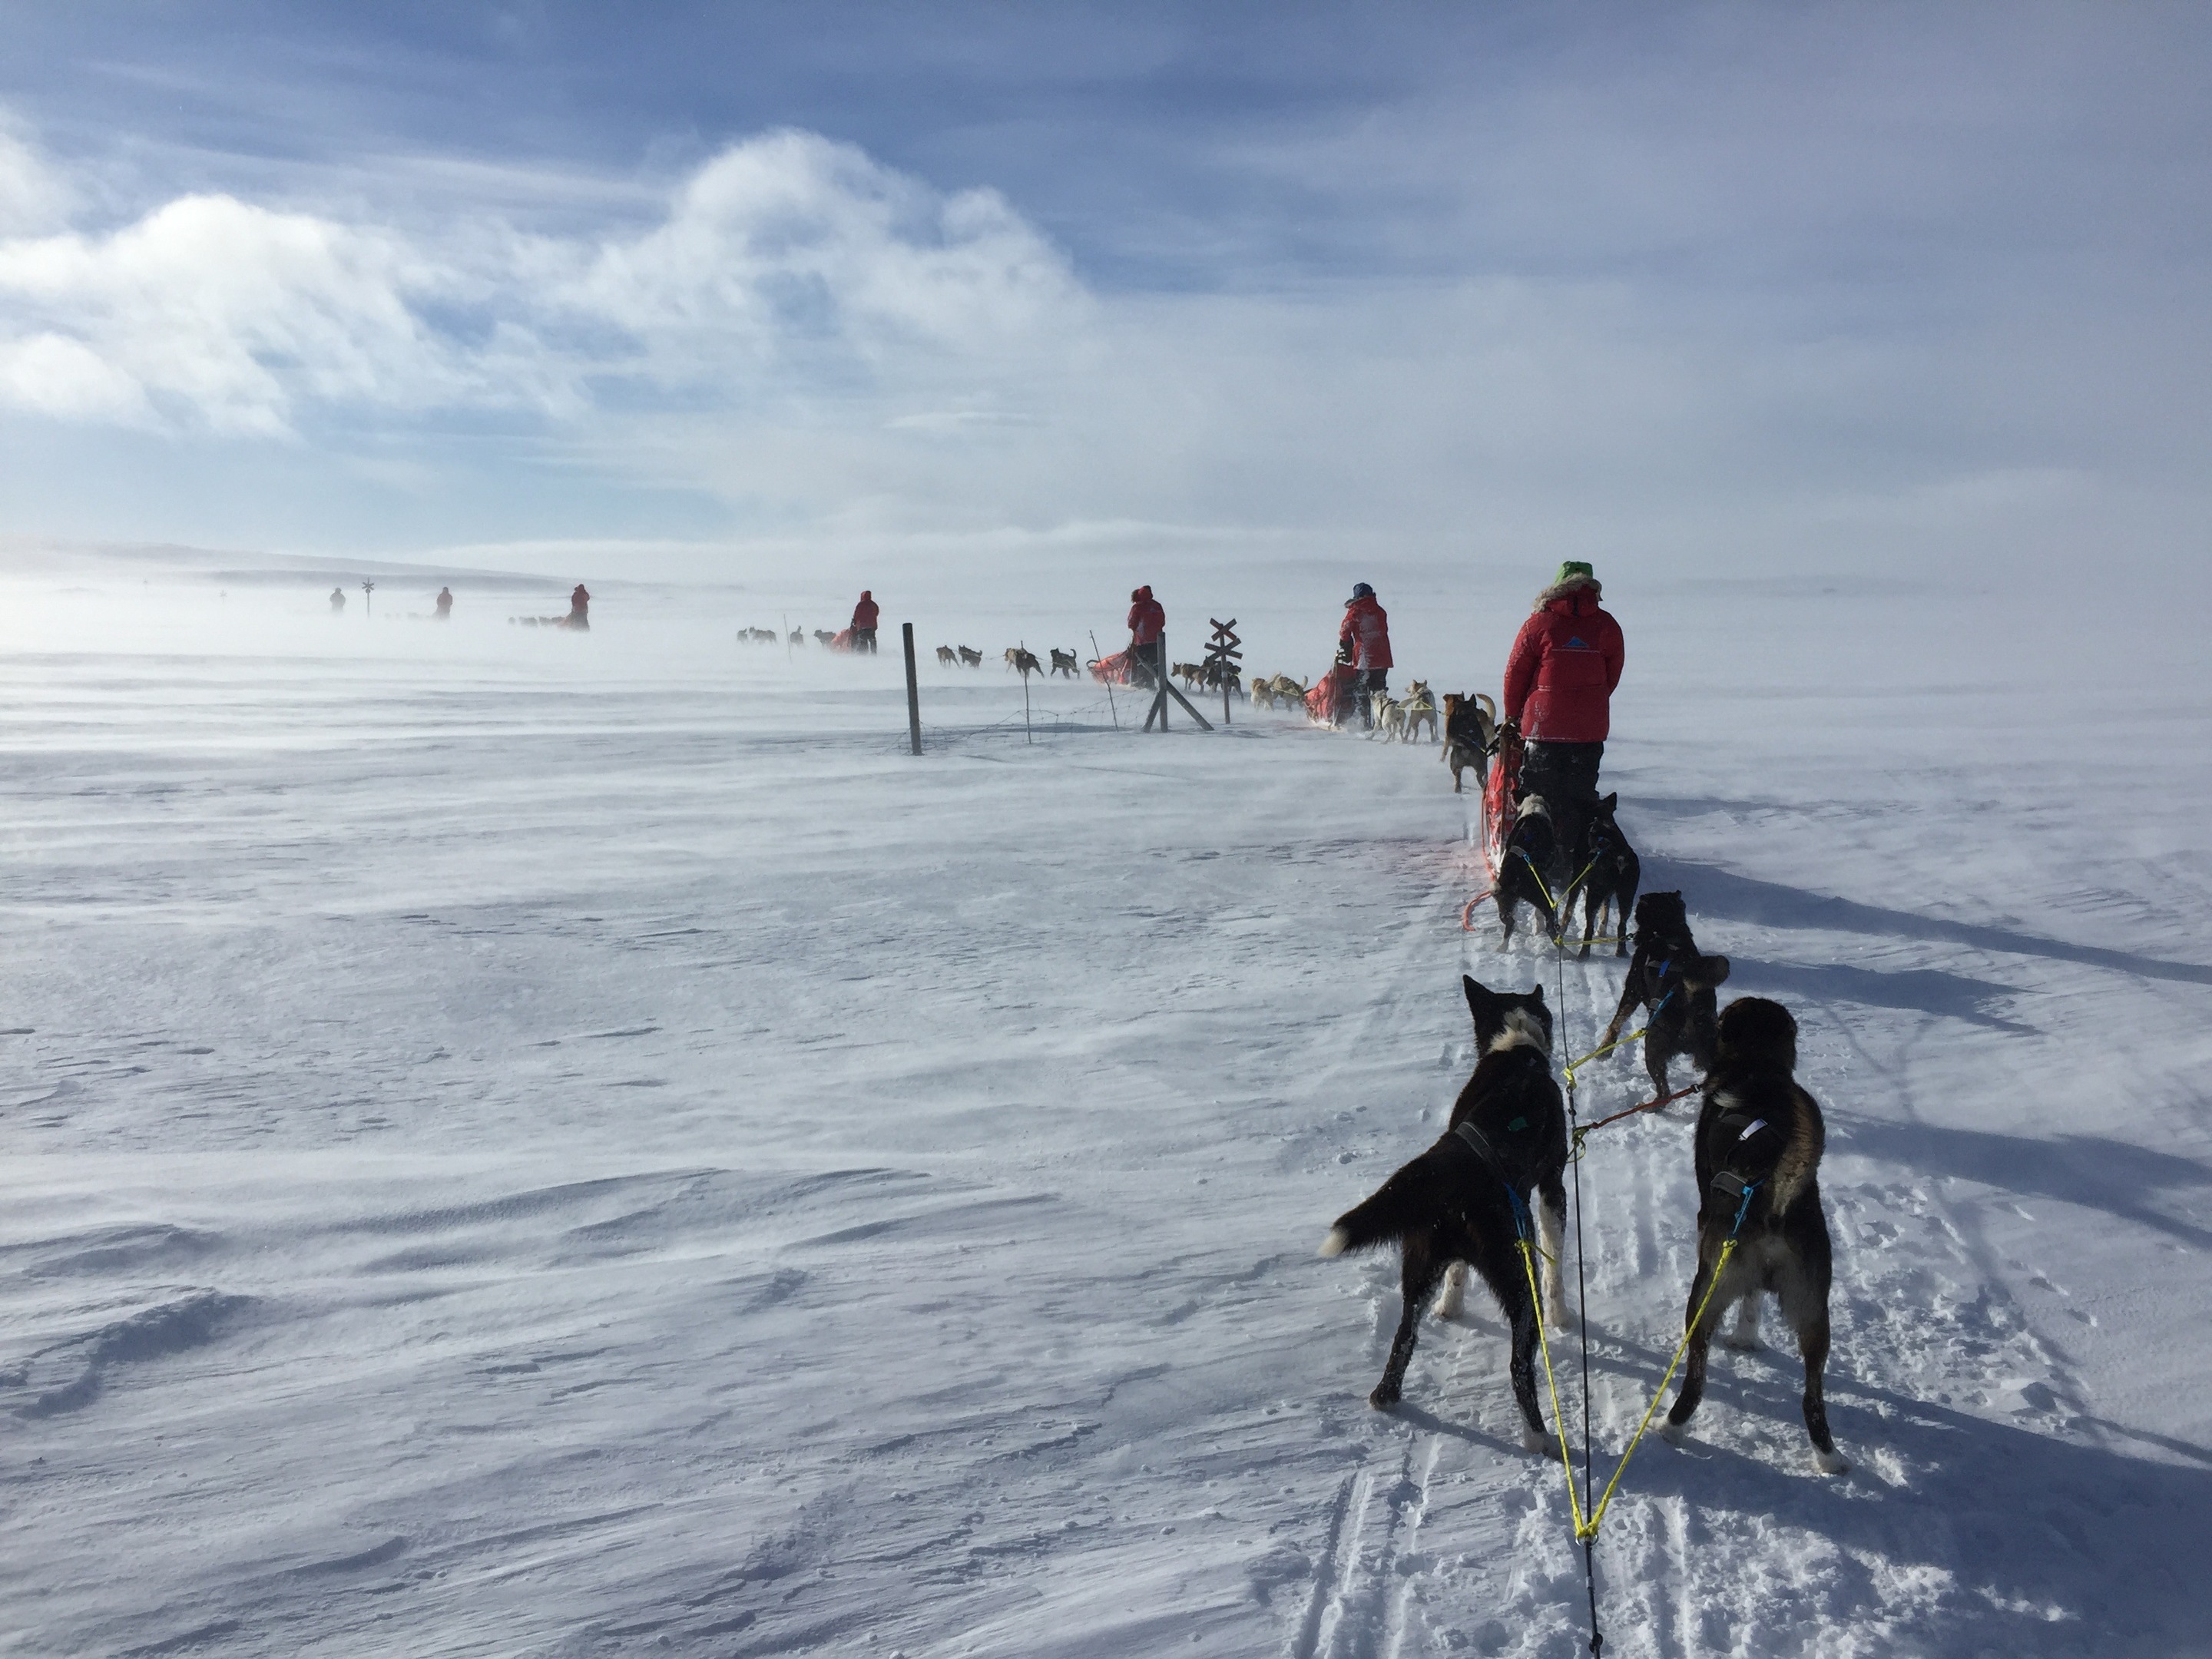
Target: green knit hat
point(1572, 568)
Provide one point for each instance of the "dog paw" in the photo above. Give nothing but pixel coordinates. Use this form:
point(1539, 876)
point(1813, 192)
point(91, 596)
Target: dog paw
point(1558, 1320)
point(1533, 1440)
point(1383, 1398)
point(1830, 1461)
point(1742, 1342)
point(1674, 1434)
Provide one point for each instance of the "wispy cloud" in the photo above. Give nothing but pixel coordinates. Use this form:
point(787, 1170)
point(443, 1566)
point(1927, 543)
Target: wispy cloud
point(780, 261)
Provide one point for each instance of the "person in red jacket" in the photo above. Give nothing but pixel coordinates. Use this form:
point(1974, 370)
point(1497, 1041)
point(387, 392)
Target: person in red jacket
point(864, 622)
point(1559, 682)
point(580, 611)
point(1362, 644)
point(1147, 618)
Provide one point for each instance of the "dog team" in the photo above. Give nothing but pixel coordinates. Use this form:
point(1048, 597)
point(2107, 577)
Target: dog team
point(1493, 1183)
point(1494, 1178)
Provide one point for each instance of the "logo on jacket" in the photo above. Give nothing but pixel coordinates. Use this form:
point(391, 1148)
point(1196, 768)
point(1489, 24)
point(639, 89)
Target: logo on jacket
point(1577, 643)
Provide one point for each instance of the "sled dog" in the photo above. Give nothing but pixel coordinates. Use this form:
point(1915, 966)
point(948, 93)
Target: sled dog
point(1470, 736)
point(1024, 661)
point(1668, 976)
point(1418, 707)
point(1465, 1202)
point(970, 658)
point(947, 656)
point(1526, 875)
point(1063, 662)
point(1759, 1140)
point(1610, 872)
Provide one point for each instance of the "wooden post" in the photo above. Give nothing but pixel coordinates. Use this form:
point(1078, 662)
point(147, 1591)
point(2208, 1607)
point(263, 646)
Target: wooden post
point(912, 691)
point(1167, 689)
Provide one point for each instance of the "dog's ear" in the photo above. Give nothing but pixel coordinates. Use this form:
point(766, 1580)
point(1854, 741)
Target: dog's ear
point(1538, 992)
point(1610, 802)
point(1478, 996)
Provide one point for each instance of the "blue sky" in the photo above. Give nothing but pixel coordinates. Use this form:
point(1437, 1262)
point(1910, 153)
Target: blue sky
point(696, 287)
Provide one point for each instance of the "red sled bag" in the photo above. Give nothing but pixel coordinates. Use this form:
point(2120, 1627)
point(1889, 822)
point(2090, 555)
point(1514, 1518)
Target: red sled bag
point(843, 641)
point(1498, 797)
point(1112, 671)
point(1323, 700)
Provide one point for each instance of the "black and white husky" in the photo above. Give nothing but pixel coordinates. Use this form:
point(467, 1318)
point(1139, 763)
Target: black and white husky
point(1466, 1201)
point(1759, 1140)
point(1668, 975)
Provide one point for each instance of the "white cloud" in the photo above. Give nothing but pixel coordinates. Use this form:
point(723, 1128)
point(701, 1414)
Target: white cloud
point(790, 239)
point(785, 263)
point(31, 197)
point(51, 374)
point(230, 315)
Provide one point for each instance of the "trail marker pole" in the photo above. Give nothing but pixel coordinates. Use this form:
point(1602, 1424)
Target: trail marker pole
point(913, 690)
point(1096, 657)
point(1028, 736)
point(367, 588)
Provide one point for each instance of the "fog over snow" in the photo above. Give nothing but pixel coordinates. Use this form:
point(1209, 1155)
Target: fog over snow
point(522, 1142)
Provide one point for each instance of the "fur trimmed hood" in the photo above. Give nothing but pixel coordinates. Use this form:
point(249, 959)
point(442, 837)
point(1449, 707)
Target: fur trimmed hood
point(1572, 585)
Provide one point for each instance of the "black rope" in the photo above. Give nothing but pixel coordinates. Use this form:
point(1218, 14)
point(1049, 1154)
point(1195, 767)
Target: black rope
point(1582, 1298)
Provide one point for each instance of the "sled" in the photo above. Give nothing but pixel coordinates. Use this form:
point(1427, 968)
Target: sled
point(842, 640)
point(1328, 694)
point(1499, 792)
point(1498, 796)
point(1116, 670)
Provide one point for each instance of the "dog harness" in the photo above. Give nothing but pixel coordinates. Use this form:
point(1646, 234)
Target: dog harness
point(1479, 1143)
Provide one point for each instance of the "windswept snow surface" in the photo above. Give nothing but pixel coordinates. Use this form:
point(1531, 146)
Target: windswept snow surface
point(527, 1144)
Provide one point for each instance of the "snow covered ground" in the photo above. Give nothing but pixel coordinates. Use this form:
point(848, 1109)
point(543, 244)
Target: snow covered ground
point(528, 1144)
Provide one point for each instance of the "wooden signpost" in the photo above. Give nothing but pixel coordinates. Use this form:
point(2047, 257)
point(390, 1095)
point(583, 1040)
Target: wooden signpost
point(1222, 658)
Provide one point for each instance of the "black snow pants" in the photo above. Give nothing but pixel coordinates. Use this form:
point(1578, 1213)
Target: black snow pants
point(1566, 775)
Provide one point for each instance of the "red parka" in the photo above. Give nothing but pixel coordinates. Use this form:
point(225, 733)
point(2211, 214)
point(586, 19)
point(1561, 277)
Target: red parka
point(864, 614)
point(1367, 629)
point(1566, 662)
point(1146, 618)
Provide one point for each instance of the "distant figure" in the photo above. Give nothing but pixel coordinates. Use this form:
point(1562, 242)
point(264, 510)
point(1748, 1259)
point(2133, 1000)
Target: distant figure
point(864, 622)
point(445, 603)
point(337, 600)
point(1148, 619)
point(1362, 642)
point(580, 610)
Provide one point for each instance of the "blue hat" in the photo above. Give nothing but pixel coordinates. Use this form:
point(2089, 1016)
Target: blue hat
point(1361, 591)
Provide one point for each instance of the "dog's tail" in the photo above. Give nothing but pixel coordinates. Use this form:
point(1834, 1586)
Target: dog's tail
point(1395, 1209)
